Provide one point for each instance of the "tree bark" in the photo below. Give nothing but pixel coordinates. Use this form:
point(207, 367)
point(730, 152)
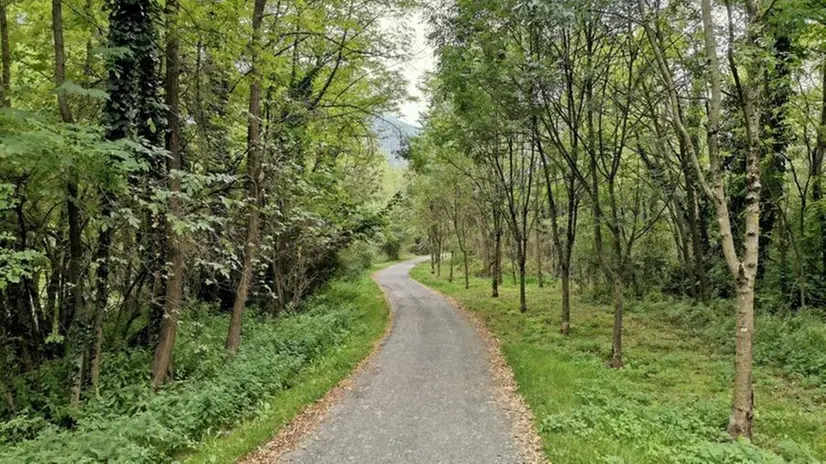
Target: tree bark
point(521, 257)
point(253, 179)
point(563, 250)
point(817, 173)
point(5, 54)
point(81, 343)
point(496, 264)
point(162, 361)
point(450, 274)
point(616, 336)
point(742, 411)
point(539, 277)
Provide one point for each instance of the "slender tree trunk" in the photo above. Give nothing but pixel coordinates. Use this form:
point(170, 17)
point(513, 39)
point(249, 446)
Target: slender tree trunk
point(162, 361)
point(81, 343)
point(496, 268)
point(75, 300)
point(514, 260)
point(745, 271)
point(566, 301)
point(450, 275)
point(432, 255)
point(253, 179)
point(438, 255)
point(616, 274)
point(60, 60)
point(616, 339)
point(522, 247)
point(817, 173)
point(5, 54)
point(467, 272)
point(563, 251)
point(539, 276)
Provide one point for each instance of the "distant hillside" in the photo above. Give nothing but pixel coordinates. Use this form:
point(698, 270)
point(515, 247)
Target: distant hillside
point(392, 132)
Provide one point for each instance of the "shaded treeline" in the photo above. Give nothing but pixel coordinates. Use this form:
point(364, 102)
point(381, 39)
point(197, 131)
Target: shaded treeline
point(155, 154)
point(634, 147)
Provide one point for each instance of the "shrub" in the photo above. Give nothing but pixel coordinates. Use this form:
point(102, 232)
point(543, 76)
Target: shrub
point(355, 259)
point(210, 393)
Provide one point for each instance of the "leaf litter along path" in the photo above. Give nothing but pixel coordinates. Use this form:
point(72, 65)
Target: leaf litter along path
point(437, 391)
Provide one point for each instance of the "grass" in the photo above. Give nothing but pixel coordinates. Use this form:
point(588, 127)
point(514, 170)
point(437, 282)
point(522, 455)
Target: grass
point(218, 407)
point(309, 385)
point(669, 404)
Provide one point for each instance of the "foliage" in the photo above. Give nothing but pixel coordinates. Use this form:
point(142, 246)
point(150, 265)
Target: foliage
point(669, 401)
point(123, 206)
point(211, 392)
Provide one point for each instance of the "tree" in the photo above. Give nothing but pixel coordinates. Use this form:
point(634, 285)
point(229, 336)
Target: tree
point(253, 180)
point(162, 362)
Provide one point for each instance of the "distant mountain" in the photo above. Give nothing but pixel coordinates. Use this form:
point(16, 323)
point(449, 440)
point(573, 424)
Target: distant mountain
point(392, 133)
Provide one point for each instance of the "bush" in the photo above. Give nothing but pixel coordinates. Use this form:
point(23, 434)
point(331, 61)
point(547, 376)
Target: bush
point(210, 393)
point(355, 259)
point(391, 246)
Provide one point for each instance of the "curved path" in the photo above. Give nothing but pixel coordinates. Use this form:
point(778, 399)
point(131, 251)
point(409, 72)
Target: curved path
point(426, 398)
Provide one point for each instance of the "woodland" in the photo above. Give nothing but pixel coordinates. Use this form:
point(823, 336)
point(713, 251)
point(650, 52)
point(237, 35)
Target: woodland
point(633, 154)
point(630, 192)
point(163, 167)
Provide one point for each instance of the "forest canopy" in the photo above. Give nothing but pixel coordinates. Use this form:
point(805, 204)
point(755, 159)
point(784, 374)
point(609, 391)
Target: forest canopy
point(636, 149)
point(160, 156)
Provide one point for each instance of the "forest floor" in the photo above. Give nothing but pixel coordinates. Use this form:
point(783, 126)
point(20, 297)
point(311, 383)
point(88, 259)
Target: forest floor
point(219, 407)
point(668, 404)
point(309, 390)
point(428, 396)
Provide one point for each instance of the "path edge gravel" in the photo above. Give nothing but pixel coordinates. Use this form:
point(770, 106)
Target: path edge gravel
point(306, 421)
point(505, 388)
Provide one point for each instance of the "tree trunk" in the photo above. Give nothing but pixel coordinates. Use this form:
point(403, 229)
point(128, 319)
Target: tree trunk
point(539, 276)
point(522, 247)
point(432, 256)
point(253, 178)
point(438, 255)
point(5, 53)
point(81, 343)
point(742, 411)
point(74, 303)
point(817, 174)
point(450, 275)
point(616, 338)
point(60, 60)
point(162, 361)
point(496, 266)
point(467, 272)
point(566, 301)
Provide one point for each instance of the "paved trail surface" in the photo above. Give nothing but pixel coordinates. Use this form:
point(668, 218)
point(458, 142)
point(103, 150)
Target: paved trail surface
point(427, 398)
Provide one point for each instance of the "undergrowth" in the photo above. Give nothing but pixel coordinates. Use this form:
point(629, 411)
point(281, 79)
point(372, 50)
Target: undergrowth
point(670, 402)
point(211, 391)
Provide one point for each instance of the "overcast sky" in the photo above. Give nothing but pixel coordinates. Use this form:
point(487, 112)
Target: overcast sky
point(414, 70)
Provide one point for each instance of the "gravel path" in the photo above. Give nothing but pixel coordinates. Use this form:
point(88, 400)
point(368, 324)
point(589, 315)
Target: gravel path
point(426, 398)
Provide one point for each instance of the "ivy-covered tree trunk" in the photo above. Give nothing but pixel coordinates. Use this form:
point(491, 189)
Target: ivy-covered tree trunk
point(253, 187)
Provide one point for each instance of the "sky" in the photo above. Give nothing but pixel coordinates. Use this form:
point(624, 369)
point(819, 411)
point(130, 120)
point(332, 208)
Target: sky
point(421, 61)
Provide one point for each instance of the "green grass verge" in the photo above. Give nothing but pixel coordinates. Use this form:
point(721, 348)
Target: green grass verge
point(669, 404)
point(309, 385)
point(218, 407)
